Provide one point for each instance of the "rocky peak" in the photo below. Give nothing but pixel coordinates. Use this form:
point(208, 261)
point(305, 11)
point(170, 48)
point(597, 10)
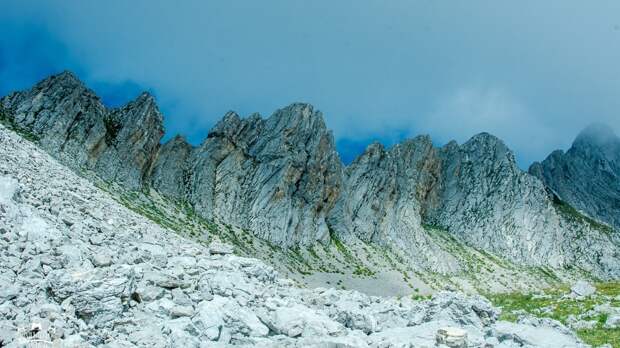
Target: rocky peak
point(132, 136)
point(73, 124)
point(373, 152)
point(279, 177)
point(488, 147)
point(141, 115)
point(599, 145)
point(228, 126)
point(51, 104)
point(64, 80)
point(66, 75)
point(384, 184)
point(298, 116)
point(598, 135)
point(587, 176)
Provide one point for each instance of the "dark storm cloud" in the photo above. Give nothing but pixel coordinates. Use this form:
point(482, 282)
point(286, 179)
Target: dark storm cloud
point(533, 73)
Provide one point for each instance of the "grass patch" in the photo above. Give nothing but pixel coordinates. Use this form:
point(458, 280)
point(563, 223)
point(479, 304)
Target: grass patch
point(608, 288)
point(555, 305)
point(9, 122)
point(570, 212)
point(600, 336)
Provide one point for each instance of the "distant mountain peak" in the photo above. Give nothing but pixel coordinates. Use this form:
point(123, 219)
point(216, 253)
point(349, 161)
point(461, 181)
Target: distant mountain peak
point(63, 80)
point(586, 176)
point(299, 115)
point(596, 134)
point(66, 75)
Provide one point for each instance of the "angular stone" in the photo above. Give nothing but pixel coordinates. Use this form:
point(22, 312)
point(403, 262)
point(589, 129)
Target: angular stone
point(101, 260)
point(452, 337)
point(613, 321)
point(582, 289)
point(217, 248)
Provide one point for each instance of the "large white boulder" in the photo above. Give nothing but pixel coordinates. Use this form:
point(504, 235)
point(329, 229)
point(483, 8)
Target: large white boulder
point(452, 337)
point(299, 320)
point(582, 289)
point(543, 335)
point(222, 317)
point(613, 321)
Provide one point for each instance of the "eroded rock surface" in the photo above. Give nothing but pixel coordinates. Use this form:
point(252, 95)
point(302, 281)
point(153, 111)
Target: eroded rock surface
point(587, 176)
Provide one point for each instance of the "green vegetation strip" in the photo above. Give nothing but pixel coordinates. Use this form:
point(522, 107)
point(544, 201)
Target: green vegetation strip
point(9, 122)
point(556, 305)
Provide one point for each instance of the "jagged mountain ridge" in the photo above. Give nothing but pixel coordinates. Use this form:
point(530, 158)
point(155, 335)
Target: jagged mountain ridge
point(587, 176)
point(281, 178)
point(73, 124)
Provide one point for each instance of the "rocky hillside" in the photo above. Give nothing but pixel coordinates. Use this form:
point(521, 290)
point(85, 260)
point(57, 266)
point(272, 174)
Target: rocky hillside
point(280, 179)
point(587, 176)
point(87, 271)
point(478, 195)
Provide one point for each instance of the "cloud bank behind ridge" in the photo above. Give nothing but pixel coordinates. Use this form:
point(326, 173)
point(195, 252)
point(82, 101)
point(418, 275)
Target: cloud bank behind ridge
point(532, 73)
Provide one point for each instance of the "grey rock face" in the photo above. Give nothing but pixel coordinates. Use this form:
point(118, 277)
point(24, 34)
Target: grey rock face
point(171, 169)
point(278, 177)
point(73, 124)
point(475, 192)
point(388, 192)
point(486, 200)
point(587, 176)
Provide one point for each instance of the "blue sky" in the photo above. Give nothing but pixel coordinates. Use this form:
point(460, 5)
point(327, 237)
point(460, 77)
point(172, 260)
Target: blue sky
point(531, 72)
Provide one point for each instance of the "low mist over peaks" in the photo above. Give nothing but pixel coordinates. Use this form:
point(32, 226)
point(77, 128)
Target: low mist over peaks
point(598, 134)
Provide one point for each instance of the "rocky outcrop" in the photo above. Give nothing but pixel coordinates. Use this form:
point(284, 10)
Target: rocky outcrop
point(486, 200)
point(72, 123)
point(587, 176)
point(171, 170)
point(278, 177)
point(389, 192)
point(477, 193)
point(157, 289)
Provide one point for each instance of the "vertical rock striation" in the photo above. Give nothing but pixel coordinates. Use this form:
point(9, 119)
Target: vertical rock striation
point(73, 124)
point(477, 194)
point(388, 194)
point(278, 177)
point(486, 200)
